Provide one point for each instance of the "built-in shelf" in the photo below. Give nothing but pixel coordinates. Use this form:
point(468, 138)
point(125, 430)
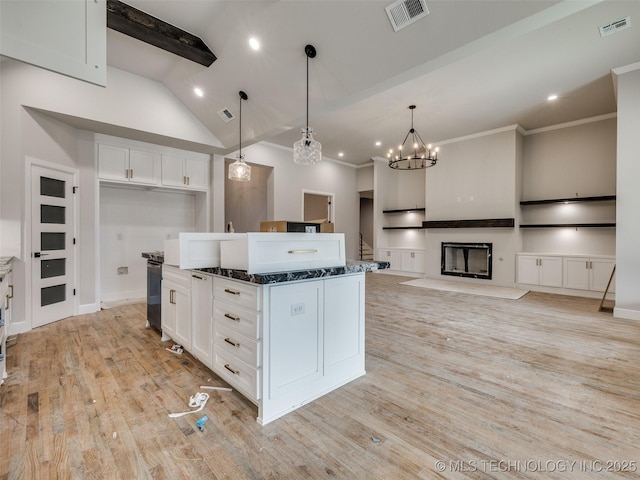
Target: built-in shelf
point(601, 198)
point(405, 210)
point(480, 223)
point(569, 225)
point(402, 228)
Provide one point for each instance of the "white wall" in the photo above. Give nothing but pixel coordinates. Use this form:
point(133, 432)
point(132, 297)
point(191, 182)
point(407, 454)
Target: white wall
point(628, 219)
point(398, 189)
point(576, 160)
point(290, 179)
point(133, 221)
point(476, 178)
point(128, 104)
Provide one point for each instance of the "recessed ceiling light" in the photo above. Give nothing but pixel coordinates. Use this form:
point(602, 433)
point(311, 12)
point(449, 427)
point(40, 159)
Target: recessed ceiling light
point(378, 143)
point(551, 98)
point(198, 91)
point(254, 43)
point(341, 154)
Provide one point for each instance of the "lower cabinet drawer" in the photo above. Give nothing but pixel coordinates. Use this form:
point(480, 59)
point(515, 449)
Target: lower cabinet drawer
point(244, 348)
point(237, 373)
point(241, 319)
point(238, 293)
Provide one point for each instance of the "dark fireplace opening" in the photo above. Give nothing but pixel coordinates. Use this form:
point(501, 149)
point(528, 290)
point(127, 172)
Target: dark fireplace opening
point(466, 259)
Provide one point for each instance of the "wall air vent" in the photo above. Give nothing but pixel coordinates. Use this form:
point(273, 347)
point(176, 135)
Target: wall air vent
point(226, 115)
point(404, 12)
point(614, 27)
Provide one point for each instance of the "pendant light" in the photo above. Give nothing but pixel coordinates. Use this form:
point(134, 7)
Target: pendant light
point(238, 170)
point(307, 151)
point(417, 156)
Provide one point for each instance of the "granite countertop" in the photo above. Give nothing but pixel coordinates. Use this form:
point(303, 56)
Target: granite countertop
point(280, 277)
point(156, 256)
point(5, 266)
point(353, 266)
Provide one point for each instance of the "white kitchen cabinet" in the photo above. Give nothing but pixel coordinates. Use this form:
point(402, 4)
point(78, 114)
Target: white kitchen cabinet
point(237, 345)
point(263, 252)
point(202, 317)
point(176, 305)
point(185, 171)
point(588, 273)
point(295, 337)
point(128, 165)
point(540, 270)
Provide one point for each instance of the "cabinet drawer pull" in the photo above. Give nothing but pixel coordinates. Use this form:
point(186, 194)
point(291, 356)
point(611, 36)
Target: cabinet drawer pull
point(231, 342)
point(303, 251)
point(232, 317)
point(232, 292)
point(198, 277)
point(228, 367)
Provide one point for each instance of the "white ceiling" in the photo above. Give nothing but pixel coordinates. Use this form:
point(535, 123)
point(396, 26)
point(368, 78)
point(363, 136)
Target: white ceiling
point(469, 66)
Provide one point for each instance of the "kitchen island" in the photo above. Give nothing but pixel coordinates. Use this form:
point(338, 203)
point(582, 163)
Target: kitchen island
point(281, 339)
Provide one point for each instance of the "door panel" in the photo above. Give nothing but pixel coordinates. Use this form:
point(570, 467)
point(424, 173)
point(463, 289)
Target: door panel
point(52, 247)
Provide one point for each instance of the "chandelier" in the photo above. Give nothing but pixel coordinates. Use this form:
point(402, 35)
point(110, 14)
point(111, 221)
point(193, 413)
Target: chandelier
point(238, 170)
point(307, 151)
point(417, 156)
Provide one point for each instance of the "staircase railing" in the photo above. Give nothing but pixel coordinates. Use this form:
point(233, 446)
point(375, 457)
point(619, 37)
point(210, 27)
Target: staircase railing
point(361, 246)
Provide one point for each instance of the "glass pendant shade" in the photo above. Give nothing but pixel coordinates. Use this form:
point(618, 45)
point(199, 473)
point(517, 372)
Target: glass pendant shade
point(239, 171)
point(307, 151)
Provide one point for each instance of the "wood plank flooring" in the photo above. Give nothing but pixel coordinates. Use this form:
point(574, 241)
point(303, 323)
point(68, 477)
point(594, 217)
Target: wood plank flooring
point(457, 386)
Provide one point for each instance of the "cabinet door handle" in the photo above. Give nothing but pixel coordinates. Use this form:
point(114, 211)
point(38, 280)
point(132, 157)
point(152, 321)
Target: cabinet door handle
point(11, 288)
point(8, 303)
point(172, 300)
point(188, 180)
point(184, 180)
point(232, 317)
point(231, 342)
point(303, 251)
point(232, 292)
point(228, 367)
point(126, 173)
point(131, 173)
point(586, 264)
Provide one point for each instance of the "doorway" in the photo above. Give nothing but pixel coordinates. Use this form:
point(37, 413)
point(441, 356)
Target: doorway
point(52, 244)
point(318, 207)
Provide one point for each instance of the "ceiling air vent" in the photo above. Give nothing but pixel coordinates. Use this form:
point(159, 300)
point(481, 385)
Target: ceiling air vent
point(226, 115)
point(404, 12)
point(614, 27)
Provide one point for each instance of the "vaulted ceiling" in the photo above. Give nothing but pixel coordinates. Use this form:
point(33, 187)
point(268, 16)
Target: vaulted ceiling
point(469, 66)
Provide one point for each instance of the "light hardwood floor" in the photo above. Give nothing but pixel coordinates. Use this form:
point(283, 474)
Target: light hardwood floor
point(457, 386)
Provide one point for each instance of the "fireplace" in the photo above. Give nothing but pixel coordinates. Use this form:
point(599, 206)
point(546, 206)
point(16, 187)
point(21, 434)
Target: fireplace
point(466, 259)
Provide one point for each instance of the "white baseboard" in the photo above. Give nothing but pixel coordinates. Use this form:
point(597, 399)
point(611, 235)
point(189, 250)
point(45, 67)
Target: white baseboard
point(120, 296)
point(88, 308)
point(626, 313)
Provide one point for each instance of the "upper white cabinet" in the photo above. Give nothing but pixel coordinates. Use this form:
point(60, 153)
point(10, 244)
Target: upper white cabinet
point(59, 35)
point(128, 165)
point(184, 171)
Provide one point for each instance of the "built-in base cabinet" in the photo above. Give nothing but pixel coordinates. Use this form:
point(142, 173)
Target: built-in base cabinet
point(540, 270)
point(403, 260)
point(570, 274)
point(588, 273)
point(201, 315)
point(176, 305)
point(6, 294)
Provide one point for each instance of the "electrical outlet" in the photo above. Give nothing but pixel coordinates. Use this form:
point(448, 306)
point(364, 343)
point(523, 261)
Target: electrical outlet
point(297, 309)
point(123, 270)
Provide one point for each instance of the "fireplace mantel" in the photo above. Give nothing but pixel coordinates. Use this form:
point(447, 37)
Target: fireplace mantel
point(480, 223)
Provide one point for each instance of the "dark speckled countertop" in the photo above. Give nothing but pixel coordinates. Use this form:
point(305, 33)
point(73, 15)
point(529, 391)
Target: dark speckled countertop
point(355, 266)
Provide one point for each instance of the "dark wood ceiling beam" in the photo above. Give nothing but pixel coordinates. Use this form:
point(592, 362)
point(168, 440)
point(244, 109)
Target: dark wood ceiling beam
point(138, 24)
